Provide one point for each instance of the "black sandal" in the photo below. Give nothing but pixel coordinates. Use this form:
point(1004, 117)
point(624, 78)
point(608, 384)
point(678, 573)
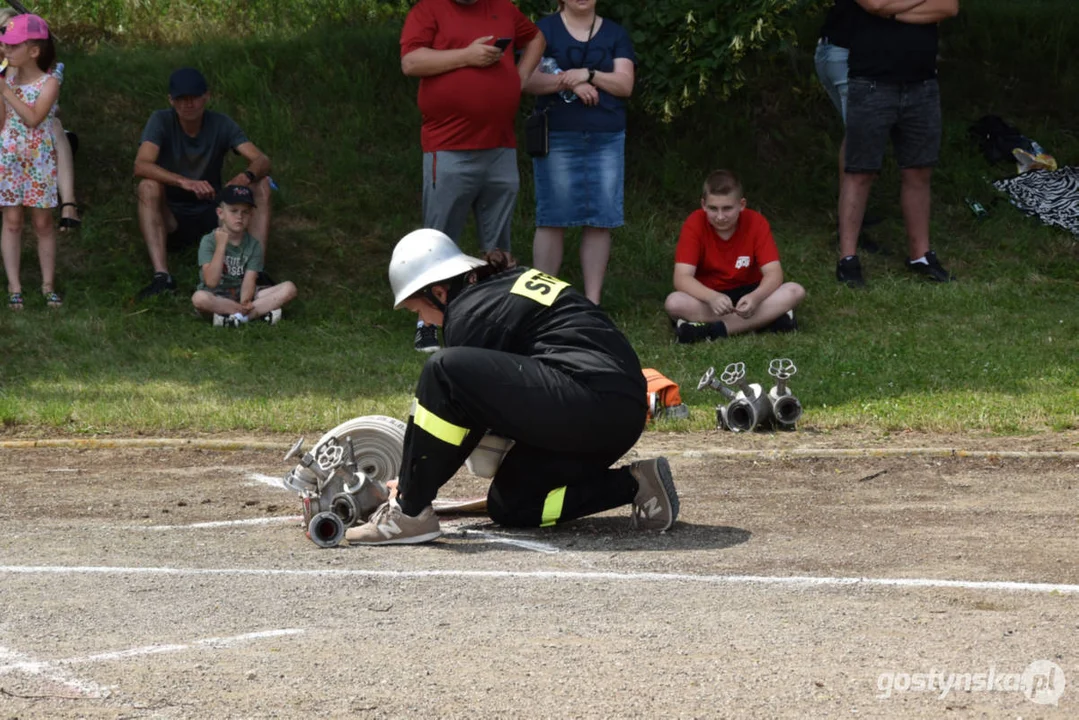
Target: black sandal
point(69, 223)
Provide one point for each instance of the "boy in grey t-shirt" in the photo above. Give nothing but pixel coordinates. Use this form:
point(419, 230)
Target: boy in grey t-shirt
point(230, 260)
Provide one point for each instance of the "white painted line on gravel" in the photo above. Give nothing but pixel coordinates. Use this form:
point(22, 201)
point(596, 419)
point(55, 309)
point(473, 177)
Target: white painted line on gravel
point(891, 452)
point(221, 523)
point(447, 525)
point(49, 668)
point(790, 580)
point(774, 454)
point(271, 480)
point(507, 540)
point(15, 661)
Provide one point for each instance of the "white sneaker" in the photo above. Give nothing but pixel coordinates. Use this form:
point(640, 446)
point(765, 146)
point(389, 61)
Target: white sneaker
point(272, 317)
point(239, 318)
point(390, 526)
point(226, 321)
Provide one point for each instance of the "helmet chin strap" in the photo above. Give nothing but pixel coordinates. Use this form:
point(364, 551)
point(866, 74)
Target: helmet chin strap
point(433, 299)
point(453, 287)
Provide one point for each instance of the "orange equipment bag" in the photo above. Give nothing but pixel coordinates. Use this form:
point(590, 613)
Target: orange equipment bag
point(663, 395)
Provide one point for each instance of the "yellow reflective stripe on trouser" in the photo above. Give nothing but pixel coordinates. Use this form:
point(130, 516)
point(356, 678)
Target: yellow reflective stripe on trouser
point(447, 432)
point(552, 507)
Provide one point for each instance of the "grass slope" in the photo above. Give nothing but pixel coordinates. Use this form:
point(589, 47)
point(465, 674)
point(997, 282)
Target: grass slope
point(995, 352)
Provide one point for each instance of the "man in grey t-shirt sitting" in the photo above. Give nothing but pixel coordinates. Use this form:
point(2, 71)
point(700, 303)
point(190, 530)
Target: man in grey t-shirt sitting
point(179, 163)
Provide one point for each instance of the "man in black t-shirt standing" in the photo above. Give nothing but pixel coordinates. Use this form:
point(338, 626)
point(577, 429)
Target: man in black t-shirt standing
point(892, 92)
point(179, 164)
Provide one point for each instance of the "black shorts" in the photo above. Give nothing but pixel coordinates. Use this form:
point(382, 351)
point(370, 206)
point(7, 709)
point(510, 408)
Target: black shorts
point(908, 114)
point(736, 294)
point(191, 226)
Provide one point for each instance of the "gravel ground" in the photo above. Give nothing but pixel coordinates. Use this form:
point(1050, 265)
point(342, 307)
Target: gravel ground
point(177, 583)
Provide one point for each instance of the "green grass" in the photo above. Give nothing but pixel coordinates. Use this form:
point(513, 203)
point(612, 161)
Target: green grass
point(994, 353)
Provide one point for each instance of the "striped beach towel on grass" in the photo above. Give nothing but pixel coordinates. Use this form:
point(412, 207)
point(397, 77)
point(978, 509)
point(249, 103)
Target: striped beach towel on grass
point(1051, 196)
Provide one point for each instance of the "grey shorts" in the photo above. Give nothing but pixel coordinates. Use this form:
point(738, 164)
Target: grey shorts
point(907, 113)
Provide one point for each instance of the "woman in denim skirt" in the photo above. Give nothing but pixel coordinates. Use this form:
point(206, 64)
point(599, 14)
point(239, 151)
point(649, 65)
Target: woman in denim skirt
point(586, 74)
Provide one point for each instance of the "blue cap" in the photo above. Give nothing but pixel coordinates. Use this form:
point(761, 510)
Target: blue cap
point(187, 82)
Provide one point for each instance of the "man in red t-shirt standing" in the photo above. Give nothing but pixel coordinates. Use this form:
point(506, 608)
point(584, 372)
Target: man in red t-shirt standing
point(463, 52)
point(727, 276)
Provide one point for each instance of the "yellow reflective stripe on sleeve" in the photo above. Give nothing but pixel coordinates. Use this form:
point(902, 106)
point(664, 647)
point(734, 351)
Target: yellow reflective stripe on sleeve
point(445, 431)
point(552, 507)
point(539, 286)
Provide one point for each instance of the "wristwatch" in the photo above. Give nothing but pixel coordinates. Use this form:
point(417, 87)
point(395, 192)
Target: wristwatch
point(591, 74)
point(250, 175)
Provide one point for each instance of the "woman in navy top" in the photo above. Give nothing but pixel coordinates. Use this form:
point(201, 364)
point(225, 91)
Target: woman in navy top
point(583, 80)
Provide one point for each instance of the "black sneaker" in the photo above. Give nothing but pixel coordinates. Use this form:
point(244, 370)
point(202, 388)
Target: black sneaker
point(849, 271)
point(931, 269)
point(427, 338)
point(691, 332)
point(785, 323)
point(162, 282)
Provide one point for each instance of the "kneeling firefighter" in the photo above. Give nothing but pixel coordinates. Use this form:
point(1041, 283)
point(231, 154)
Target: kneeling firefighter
point(528, 358)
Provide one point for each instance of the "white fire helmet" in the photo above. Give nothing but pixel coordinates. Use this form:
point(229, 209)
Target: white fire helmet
point(423, 258)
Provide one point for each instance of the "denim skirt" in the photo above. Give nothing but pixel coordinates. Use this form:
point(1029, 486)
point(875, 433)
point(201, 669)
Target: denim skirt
point(579, 183)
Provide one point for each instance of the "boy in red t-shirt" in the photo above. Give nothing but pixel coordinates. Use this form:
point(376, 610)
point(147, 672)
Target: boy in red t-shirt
point(727, 276)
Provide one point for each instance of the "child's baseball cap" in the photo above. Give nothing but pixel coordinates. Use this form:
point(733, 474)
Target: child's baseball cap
point(236, 195)
point(21, 28)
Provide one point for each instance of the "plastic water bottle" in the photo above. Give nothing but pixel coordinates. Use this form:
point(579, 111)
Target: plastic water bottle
point(550, 66)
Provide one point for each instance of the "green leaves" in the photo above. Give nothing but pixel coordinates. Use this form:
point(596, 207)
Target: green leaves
point(687, 49)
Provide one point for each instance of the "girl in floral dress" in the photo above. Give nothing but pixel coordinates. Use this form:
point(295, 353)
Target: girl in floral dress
point(27, 153)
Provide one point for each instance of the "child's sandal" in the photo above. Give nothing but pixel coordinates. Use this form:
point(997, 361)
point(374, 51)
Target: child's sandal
point(14, 301)
point(52, 299)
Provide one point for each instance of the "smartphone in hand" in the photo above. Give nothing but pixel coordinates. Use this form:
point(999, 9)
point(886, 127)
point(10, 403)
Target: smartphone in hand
point(503, 43)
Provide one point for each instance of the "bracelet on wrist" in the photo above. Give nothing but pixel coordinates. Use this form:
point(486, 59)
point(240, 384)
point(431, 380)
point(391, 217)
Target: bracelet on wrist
point(252, 177)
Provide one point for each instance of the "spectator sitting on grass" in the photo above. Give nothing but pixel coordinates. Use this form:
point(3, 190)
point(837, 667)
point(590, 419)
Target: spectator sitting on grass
point(230, 260)
point(727, 276)
point(179, 166)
